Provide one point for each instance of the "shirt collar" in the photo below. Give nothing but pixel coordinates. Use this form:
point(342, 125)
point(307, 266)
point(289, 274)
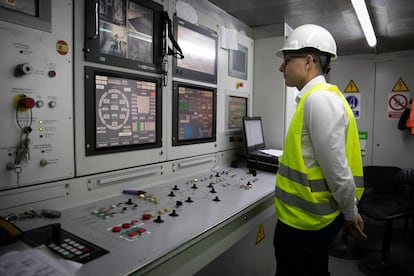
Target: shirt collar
point(312, 82)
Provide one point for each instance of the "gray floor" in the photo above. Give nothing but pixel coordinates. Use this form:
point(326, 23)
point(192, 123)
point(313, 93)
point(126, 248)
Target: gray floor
point(246, 258)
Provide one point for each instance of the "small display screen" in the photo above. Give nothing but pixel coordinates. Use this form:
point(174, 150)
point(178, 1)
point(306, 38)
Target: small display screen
point(237, 110)
point(126, 112)
point(199, 46)
point(194, 114)
point(238, 62)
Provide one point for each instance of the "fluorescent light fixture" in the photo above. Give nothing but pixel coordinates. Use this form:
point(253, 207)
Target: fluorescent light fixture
point(362, 13)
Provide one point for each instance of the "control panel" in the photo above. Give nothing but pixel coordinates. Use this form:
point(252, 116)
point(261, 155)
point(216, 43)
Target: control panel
point(36, 119)
point(140, 227)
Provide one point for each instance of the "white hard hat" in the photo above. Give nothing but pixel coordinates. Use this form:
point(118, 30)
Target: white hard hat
point(310, 36)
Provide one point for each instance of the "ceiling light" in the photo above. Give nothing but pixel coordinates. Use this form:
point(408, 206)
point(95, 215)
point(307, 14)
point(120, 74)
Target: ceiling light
point(362, 13)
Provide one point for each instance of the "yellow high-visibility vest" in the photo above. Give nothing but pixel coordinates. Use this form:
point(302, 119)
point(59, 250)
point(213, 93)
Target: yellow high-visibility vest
point(302, 197)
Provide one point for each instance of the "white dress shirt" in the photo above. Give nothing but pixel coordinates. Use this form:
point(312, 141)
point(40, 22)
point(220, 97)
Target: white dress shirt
point(323, 143)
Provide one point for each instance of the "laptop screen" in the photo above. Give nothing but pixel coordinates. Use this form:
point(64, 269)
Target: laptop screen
point(253, 133)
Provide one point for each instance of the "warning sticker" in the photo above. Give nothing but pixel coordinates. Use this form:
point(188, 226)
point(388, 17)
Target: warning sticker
point(351, 87)
point(260, 234)
point(400, 86)
point(396, 105)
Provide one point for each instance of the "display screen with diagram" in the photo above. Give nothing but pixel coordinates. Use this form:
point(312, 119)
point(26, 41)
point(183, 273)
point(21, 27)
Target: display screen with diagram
point(123, 111)
point(194, 114)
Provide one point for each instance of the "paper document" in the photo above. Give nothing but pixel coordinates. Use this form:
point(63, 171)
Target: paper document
point(34, 261)
point(274, 152)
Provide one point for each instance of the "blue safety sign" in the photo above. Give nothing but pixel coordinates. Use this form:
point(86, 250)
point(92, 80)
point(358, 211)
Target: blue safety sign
point(353, 101)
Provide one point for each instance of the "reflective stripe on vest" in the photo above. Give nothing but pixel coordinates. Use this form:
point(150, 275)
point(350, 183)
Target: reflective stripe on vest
point(318, 185)
point(302, 197)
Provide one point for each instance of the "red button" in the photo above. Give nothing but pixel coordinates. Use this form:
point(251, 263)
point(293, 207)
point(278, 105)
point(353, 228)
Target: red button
point(141, 230)
point(116, 229)
point(126, 225)
point(26, 102)
point(85, 249)
point(146, 216)
point(134, 221)
point(132, 234)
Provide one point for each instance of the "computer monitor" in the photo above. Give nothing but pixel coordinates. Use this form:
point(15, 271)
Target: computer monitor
point(32, 14)
point(199, 46)
point(253, 133)
point(194, 114)
point(122, 111)
point(124, 33)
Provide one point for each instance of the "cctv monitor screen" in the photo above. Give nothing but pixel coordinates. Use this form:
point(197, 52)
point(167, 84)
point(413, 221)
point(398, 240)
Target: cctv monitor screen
point(194, 114)
point(124, 33)
point(123, 111)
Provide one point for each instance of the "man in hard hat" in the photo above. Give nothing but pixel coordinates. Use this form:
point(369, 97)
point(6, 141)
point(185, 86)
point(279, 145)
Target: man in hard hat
point(320, 176)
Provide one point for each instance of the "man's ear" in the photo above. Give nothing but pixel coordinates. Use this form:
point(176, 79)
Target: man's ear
point(310, 59)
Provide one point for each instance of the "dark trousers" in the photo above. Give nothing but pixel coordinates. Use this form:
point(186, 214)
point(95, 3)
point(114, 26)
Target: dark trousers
point(301, 252)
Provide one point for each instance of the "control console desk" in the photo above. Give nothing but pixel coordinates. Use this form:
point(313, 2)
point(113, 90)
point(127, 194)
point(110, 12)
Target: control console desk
point(173, 228)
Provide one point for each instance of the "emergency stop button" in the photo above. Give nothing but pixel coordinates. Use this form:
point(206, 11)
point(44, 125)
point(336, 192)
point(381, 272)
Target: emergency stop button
point(22, 102)
point(26, 102)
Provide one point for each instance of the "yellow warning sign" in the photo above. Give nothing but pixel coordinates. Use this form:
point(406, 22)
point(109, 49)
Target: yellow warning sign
point(400, 86)
point(351, 87)
point(260, 234)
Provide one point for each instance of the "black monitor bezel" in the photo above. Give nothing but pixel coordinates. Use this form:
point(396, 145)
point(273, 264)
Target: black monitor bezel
point(186, 73)
point(92, 47)
point(90, 112)
point(175, 115)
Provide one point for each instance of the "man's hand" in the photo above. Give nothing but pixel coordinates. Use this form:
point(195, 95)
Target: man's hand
point(356, 228)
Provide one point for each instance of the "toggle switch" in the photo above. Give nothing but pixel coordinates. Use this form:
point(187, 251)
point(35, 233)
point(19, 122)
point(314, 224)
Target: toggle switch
point(40, 103)
point(174, 213)
point(52, 104)
point(158, 220)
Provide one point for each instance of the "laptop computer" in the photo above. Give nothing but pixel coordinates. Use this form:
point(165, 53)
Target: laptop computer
point(255, 144)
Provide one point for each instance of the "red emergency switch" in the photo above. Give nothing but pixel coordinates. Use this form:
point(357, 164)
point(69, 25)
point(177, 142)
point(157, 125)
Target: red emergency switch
point(26, 102)
point(239, 84)
point(21, 102)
